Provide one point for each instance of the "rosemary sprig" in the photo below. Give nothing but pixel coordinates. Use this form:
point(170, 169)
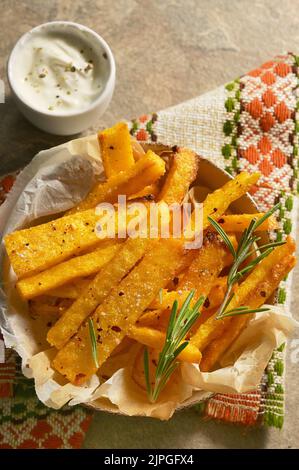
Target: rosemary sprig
point(93, 341)
point(246, 248)
point(180, 323)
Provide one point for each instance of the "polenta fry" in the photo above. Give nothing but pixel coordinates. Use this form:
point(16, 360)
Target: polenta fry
point(35, 249)
point(81, 266)
point(155, 339)
point(217, 347)
point(154, 318)
point(206, 267)
point(216, 203)
point(116, 149)
point(182, 173)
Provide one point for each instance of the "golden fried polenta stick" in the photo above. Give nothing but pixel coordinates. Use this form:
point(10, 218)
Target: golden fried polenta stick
point(65, 272)
point(206, 267)
point(182, 173)
point(116, 149)
point(217, 202)
point(156, 339)
point(35, 249)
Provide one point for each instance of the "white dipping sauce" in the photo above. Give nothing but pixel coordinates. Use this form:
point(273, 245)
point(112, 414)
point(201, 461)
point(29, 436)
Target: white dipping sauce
point(59, 72)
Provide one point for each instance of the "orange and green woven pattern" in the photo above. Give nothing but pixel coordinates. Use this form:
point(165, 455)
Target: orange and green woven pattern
point(25, 423)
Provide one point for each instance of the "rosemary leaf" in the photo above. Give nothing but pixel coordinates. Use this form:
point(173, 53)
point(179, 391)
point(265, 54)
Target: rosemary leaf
point(256, 261)
point(271, 245)
point(246, 310)
point(162, 382)
point(223, 235)
point(172, 319)
point(264, 247)
point(266, 216)
point(228, 301)
point(93, 341)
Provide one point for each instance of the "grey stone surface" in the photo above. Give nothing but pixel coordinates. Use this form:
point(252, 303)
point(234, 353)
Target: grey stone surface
point(166, 51)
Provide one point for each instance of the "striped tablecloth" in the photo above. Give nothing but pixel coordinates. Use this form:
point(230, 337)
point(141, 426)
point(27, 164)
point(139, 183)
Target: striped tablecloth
point(252, 124)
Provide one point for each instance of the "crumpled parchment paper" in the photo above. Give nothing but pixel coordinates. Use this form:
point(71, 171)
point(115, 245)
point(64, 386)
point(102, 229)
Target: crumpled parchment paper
point(54, 181)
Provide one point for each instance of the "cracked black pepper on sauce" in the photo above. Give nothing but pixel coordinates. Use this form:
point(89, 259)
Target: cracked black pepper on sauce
point(59, 72)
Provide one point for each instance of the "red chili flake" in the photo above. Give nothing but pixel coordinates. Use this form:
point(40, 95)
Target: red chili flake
point(116, 328)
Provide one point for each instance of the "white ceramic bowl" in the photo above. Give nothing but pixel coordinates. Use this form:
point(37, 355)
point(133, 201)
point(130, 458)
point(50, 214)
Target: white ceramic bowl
point(69, 122)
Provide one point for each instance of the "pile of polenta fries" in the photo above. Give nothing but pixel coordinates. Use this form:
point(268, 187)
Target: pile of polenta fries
point(106, 294)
